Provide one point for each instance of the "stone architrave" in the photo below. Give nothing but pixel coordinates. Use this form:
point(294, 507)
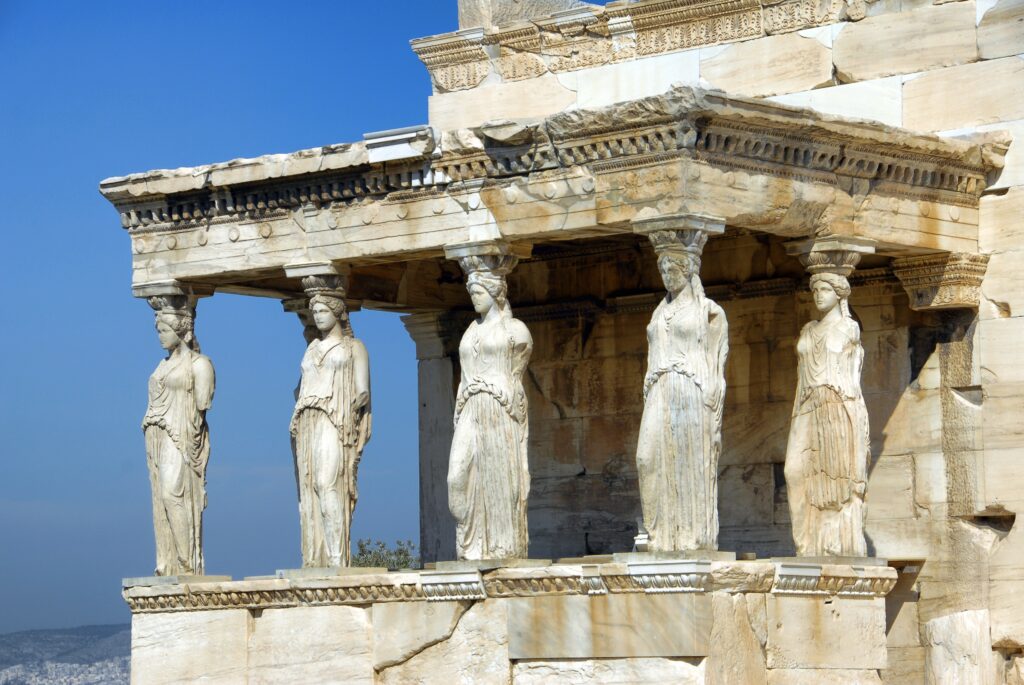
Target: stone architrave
point(331, 423)
point(488, 472)
point(829, 442)
point(177, 436)
point(680, 436)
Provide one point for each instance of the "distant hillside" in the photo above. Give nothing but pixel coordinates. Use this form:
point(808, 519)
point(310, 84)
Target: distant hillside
point(89, 655)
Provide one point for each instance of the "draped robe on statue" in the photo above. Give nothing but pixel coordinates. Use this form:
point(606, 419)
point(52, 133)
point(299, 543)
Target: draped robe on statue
point(488, 474)
point(829, 442)
point(681, 428)
point(329, 440)
point(177, 451)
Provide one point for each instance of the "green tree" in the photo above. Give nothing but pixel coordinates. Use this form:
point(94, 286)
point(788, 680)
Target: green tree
point(377, 553)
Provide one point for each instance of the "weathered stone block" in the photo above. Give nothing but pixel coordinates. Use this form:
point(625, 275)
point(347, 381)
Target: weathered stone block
point(737, 640)
point(403, 629)
point(653, 671)
point(890, 490)
point(211, 646)
point(311, 644)
point(877, 99)
point(1002, 473)
point(1001, 30)
point(807, 676)
point(476, 652)
point(1002, 404)
point(906, 665)
point(609, 626)
point(530, 99)
point(755, 433)
point(915, 425)
point(865, 50)
point(608, 84)
point(934, 100)
point(958, 649)
point(809, 633)
point(787, 63)
point(745, 494)
point(1000, 228)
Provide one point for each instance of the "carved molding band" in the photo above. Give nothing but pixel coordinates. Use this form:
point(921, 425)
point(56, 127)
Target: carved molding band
point(944, 281)
point(588, 579)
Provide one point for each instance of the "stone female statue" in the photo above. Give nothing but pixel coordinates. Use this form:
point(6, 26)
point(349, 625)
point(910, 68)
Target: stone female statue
point(684, 391)
point(330, 428)
point(829, 440)
point(488, 474)
point(178, 440)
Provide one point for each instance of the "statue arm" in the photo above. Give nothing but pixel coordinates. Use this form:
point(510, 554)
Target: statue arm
point(718, 353)
point(522, 348)
point(361, 414)
point(361, 375)
point(205, 380)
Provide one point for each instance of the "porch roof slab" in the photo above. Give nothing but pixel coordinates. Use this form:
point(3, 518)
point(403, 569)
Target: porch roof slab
point(406, 194)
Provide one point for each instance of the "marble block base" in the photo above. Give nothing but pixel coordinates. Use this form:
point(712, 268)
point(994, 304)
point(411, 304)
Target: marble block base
point(328, 571)
point(150, 581)
point(489, 564)
point(704, 554)
point(650, 621)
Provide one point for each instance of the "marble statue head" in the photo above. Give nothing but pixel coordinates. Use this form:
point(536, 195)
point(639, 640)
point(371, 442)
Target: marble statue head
point(840, 287)
point(175, 321)
point(679, 268)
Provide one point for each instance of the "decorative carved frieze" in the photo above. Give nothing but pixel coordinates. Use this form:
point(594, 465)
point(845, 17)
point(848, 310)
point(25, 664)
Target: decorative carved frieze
point(443, 586)
point(846, 581)
point(669, 25)
point(456, 61)
point(942, 281)
point(671, 575)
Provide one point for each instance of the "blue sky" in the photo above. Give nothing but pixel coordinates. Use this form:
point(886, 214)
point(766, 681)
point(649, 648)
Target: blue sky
point(92, 90)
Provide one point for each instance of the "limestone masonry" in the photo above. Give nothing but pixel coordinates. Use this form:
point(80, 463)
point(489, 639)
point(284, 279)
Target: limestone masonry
point(717, 316)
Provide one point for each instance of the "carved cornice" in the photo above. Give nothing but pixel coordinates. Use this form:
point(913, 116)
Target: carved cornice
point(689, 128)
point(943, 281)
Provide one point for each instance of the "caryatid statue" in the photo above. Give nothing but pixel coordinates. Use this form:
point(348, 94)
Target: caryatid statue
point(829, 440)
point(330, 426)
point(177, 438)
point(488, 473)
point(680, 437)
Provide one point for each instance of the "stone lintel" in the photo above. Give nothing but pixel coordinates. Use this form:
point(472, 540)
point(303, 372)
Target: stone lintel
point(950, 280)
point(172, 287)
point(301, 270)
point(487, 248)
point(158, 581)
point(645, 225)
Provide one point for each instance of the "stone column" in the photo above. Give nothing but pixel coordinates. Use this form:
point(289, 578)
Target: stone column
point(680, 436)
point(332, 420)
point(829, 443)
point(437, 350)
point(176, 434)
point(488, 470)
